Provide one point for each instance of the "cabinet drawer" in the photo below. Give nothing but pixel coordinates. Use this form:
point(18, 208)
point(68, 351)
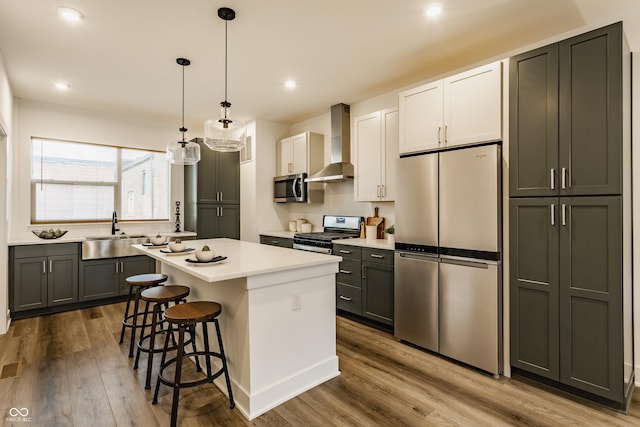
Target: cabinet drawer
point(345, 251)
point(349, 298)
point(29, 251)
point(381, 256)
point(282, 242)
point(349, 272)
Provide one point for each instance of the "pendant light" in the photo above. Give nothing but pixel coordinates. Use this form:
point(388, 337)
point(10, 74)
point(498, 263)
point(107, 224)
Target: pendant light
point(184, 152)
point(224, 134)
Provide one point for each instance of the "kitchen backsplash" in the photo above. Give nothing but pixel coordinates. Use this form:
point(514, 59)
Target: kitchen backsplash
point(338, 200)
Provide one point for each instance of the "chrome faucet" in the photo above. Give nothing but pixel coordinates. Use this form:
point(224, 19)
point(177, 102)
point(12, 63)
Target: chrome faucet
point(114, 221)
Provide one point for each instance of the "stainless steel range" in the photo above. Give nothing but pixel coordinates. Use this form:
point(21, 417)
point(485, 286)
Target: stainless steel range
point(335, 227)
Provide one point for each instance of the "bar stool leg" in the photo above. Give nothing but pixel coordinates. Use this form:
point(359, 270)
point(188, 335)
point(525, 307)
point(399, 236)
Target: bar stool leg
point(144, 324)
point(232, 403)
point(154, 321)
point(135, 322)
point(193, 345)
point(178, 376)
point(162, 360)
point(126, 313)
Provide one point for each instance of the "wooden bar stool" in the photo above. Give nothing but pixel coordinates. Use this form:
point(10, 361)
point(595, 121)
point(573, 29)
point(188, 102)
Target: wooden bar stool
point(159, 296)
point(184, 316)
point(137, 284)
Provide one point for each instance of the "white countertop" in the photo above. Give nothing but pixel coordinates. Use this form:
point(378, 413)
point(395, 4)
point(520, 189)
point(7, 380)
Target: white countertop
point(375, 244)
point(244, 259)
point(34, 240)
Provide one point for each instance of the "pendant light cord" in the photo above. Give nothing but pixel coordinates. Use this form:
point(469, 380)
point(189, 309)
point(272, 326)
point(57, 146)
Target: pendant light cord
point(182, 129)
point(226, 50)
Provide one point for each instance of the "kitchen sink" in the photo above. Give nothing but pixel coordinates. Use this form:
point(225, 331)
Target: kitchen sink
point(98, 247)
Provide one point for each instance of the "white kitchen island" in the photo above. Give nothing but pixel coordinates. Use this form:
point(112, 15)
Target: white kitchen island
point(278, 316)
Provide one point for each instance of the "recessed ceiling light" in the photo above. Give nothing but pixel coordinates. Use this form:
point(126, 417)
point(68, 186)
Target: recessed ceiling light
point(70, 14)
point(433, 10)
point(290, 84)
point(62, 86)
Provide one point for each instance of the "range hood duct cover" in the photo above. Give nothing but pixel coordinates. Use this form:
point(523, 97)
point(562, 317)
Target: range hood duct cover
point(340, 169)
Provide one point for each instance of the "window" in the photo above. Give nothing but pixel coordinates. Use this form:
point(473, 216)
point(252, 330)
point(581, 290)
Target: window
point(79, 182)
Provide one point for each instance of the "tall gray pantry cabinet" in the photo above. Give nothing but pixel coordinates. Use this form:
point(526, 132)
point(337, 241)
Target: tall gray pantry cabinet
point(570, 215)
point(212, 194)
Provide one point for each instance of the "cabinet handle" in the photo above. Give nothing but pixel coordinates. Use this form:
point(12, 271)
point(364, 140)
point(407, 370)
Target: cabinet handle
point(342, 297)
point(290, 167)
point(44, 267)
point(117, 268)
point(377, 256)
point(122, 267)
point(364, 275)
point(275, 242)
point(377, 190)
point(439, 130)
point(343, 251)
point(564, 178)
point(221, 196)
point(553, 214)
point(382, 192)
point(553, 178)
point(345, 271)
point(445, 134)
point(564, 214)
point(50, 266)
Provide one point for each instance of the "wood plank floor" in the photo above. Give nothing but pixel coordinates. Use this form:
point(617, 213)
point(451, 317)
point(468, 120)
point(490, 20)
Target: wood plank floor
point(67, 369)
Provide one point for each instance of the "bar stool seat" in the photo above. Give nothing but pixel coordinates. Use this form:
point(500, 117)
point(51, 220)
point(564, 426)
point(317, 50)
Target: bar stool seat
point(159, 296)
point(137, 284)
point(184, 316)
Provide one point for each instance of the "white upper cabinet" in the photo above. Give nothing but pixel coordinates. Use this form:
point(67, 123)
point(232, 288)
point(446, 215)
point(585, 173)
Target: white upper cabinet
point(302, 153)
point(375, 154)
point(461, 109)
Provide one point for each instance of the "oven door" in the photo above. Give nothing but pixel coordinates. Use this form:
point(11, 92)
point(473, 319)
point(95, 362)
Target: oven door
point(290, 188)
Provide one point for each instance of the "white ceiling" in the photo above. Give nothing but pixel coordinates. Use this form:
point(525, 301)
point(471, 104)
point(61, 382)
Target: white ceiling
point(121, 57)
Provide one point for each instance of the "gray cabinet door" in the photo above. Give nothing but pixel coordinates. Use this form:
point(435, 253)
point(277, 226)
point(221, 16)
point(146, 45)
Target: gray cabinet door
point(99, 279)
point(591, 332)
point(29, 283)
point(533, 123)
point(218, 177)
point(534, 293)
point(377, 292)
point(62, 279)
point(591, 113)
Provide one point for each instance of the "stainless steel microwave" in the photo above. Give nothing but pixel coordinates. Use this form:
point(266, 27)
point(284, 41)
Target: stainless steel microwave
point(290, 188)
point(293, 189)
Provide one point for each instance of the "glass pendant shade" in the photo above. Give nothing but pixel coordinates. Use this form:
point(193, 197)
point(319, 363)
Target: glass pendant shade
point(224, 134)
point(183, 153)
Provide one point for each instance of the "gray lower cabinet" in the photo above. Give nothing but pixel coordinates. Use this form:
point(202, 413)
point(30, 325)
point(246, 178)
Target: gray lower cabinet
point(349, 279)
point(567, 292)
point(43, 275)
point(105, 278)
point(377, 285)
point(283, 242)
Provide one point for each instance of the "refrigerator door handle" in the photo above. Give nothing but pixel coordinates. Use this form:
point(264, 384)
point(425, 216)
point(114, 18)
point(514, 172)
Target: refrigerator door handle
point(475, 264)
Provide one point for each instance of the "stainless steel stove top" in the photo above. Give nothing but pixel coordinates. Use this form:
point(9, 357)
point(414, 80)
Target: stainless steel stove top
point(335, 227)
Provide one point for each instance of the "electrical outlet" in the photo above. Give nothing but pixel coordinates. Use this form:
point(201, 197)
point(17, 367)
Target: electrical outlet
point(296, 302)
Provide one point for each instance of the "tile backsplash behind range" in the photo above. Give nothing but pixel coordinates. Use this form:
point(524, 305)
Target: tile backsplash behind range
point(338, 200)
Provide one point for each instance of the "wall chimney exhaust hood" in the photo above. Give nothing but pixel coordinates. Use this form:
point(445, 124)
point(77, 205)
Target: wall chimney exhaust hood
point(340, 169)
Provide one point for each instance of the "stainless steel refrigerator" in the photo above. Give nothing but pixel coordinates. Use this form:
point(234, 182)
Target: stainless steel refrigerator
point(448, 287)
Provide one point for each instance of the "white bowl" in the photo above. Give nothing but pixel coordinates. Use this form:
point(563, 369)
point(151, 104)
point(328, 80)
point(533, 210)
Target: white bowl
point(177, 247)
point(157, 240)
point(205, 256)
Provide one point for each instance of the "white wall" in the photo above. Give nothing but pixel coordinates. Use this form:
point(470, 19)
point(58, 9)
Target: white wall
point(53, 121)
point(6, 110)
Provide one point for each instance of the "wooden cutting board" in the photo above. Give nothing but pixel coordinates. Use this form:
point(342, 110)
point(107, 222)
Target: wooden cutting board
point(378, 222)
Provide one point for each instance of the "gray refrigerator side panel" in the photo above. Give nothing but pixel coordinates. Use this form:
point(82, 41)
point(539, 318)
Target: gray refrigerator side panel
point(416, 206)
point(416, 300)
point(469, 198)
point(469, 320)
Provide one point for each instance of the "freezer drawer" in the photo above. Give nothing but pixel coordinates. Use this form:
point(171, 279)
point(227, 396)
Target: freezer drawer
point(416, 300)
point(469, 313)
